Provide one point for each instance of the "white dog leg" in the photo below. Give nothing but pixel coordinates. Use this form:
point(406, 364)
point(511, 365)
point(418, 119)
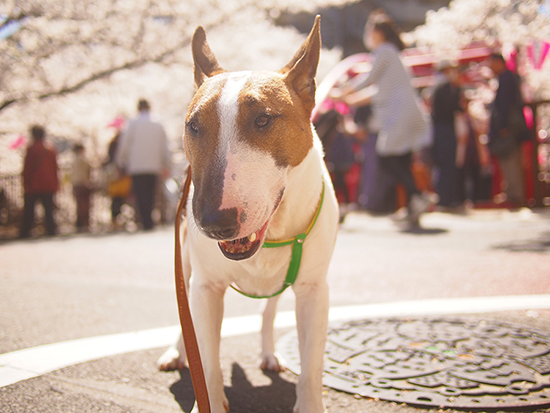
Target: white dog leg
point(269, 360)
point(175, 358)
point(312, 322)
point(207, 310)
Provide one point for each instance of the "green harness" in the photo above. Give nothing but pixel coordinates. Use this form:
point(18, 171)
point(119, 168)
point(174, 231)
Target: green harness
point(296, 258)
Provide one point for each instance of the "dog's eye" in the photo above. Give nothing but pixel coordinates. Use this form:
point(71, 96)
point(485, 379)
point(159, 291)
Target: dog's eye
point(262, 121)
point(193, 127)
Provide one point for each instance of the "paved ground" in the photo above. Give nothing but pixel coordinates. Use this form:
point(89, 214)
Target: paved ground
point(77, 287)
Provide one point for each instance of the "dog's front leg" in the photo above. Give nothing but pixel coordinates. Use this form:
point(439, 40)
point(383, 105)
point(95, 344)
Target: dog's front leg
point(269, 360)
point(175, 357)
point(312, 321)
point(206, 301)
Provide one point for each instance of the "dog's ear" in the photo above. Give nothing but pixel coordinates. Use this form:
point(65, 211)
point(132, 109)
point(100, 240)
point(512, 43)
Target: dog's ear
point(205, 63)
point(301, 70)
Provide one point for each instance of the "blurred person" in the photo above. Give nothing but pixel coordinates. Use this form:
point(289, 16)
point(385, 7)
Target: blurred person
point(339, 153)
point(402, 126)
point(508, 129)
point(472, 160)
point(377, 190)
point(340, 156)
point(4, 207)
point(82, 187)
point(115, 174)
point(446, 108)
point(143, 152)
point(40, 182)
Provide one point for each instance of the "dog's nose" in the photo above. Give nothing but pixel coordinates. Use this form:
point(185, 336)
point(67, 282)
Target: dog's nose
point(220, 224)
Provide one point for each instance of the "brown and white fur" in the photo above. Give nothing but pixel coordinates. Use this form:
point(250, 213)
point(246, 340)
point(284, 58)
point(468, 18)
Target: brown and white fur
point(257, 168)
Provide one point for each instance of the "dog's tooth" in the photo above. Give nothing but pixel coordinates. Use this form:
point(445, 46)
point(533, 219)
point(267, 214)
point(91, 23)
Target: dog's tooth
point(252, 237)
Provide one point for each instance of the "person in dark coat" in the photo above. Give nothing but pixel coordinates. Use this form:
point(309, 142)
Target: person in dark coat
point(508, 129)
point(445, 107)
point(40, 182)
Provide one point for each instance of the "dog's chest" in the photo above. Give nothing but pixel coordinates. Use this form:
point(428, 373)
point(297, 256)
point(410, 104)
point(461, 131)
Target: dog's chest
point(264, 273)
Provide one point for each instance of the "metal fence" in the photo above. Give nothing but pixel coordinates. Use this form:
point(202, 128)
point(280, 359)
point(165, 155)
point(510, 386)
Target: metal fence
point(11, 205)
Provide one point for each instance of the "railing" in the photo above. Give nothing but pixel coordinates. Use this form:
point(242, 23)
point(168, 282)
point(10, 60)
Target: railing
point(11, 205)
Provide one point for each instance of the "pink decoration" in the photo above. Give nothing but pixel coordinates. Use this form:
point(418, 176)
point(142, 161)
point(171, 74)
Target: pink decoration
point(341, 108)
point(326, 105)
point(329, 104)
point(537, 52)
point(529, 119)
point(18, 142)
point(117, 123)
point(511, 60)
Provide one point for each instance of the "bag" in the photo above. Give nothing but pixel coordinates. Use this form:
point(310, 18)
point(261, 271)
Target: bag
point(120, 188)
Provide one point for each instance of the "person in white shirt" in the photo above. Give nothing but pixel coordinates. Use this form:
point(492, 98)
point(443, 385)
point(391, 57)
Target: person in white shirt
point(144, 154)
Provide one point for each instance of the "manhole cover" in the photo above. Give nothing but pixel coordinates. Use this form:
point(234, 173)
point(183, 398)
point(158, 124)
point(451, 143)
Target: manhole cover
point(457, 363)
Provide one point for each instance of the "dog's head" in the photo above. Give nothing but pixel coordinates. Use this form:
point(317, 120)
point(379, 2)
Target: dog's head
point(243, 132)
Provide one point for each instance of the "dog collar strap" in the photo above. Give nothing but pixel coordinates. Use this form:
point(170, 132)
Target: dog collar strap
point(296, 257)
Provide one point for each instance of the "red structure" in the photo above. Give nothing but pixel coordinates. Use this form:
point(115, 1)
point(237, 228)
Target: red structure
point(422, 64)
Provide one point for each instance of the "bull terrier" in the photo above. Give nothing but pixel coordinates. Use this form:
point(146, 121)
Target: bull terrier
point(259, 182)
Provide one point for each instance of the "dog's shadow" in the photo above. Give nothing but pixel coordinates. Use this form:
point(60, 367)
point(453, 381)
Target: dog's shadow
point(279, 396)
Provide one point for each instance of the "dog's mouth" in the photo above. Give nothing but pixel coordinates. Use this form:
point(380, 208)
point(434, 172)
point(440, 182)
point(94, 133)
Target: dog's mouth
point(243, 248)
point(246, 247)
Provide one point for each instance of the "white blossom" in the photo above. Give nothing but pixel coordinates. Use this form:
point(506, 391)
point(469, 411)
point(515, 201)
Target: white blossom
point(501, 24)
point(76, 64)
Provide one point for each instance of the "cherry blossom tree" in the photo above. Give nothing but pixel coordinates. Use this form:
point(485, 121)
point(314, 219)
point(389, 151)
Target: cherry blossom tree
point(523, 25)
point(73, 65)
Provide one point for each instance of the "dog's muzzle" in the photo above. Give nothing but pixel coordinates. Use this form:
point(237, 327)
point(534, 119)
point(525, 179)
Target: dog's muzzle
point(223, 226)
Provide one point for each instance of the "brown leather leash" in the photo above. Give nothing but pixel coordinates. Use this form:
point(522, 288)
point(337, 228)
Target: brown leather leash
point(188, 331)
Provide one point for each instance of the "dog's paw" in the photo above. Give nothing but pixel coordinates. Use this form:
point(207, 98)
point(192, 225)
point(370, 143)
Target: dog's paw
point(309, 409)
point(171, 360)
point(225, 406)
point(272, 363)
point(297, 410)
